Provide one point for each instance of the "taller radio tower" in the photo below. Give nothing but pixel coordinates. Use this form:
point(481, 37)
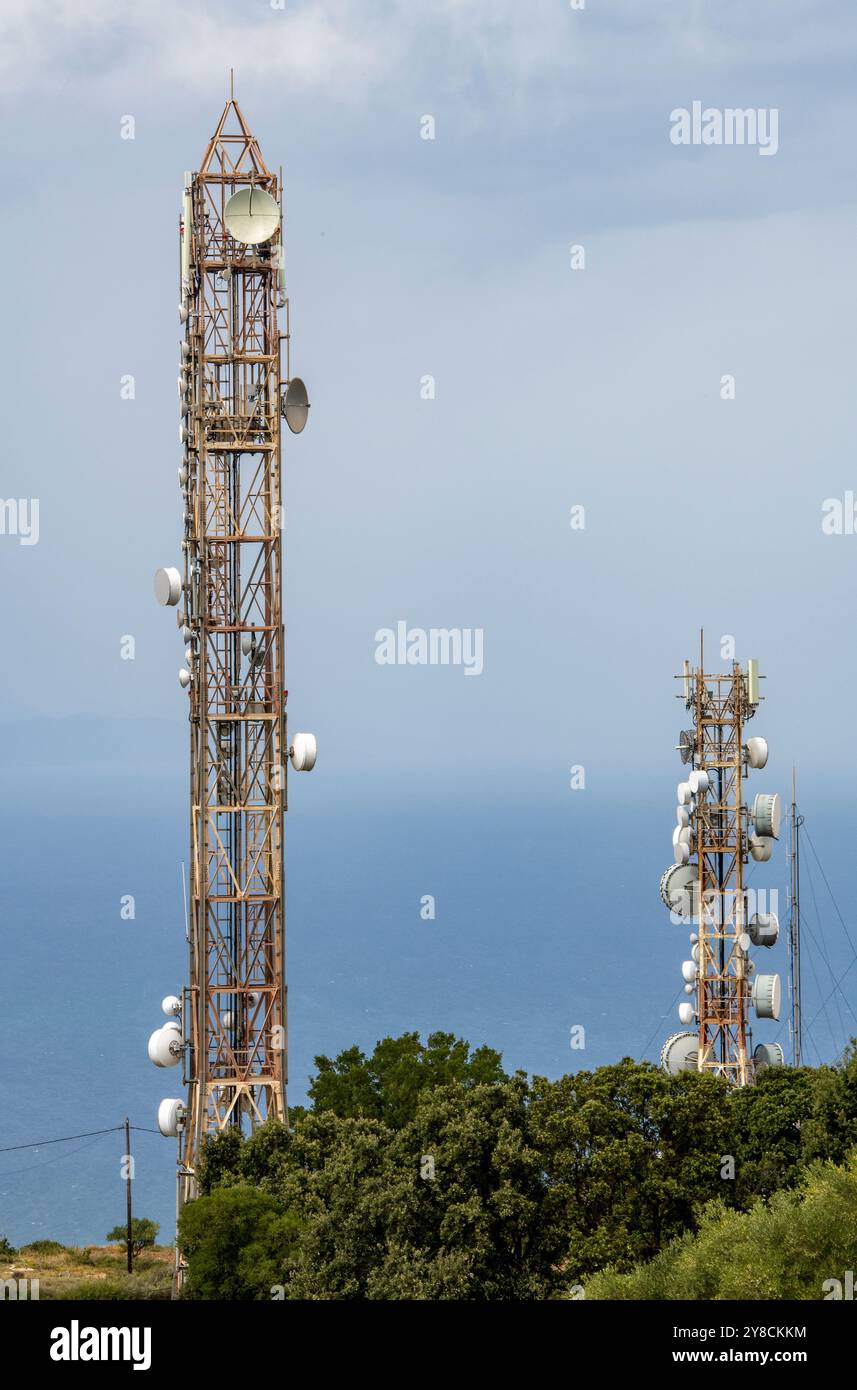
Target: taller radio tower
point(229, 1026)
point(714, 840)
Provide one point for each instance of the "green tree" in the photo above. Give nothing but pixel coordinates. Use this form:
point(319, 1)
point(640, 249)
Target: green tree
point(450, 1206)
point(387, 1086)
point(767, 1121)
point(788, 1119)
point(627, 1153)
point(787, 1248)
point(425, 1172)
point(830, 1130)
point(239, 1244)
point(469, 1215)
point(220, 1159)
point(339, 1179)
point(144, 1233)
point(228, 1158)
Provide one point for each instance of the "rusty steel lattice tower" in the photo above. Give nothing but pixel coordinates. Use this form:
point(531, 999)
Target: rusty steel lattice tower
point(720, 707)
point(717, 830)
point(230, 1024)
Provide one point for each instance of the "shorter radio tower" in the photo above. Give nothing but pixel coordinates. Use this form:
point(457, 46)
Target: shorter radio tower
point(715, 838)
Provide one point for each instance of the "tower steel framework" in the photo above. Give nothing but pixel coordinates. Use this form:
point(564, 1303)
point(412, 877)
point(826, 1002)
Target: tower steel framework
point(715, 838)
point(720, 707)
point(234, 1005)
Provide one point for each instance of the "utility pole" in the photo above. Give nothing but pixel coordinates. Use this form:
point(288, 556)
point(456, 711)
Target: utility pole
point(128, 1166)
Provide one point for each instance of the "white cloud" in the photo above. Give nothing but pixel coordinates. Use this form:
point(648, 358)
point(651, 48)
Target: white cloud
point(188, 45)
point(355, 51)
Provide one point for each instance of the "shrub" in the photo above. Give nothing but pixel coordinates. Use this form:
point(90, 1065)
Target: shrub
point(238, 1243)
point(144, 1233)
point(785, 1249)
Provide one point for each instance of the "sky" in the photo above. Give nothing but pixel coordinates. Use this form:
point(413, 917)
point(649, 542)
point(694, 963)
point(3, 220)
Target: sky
point(561, 383)
point(598, 387)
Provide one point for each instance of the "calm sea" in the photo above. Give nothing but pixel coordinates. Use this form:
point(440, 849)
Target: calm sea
point(547, 919)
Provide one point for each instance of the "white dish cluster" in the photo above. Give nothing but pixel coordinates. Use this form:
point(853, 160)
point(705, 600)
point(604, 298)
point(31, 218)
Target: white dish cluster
point(166, 1047)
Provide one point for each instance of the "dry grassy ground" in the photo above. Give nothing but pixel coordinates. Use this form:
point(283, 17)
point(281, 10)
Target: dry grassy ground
point(94, 1272)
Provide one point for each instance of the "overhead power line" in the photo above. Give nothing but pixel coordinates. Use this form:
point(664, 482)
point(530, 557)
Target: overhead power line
point(65, 1139)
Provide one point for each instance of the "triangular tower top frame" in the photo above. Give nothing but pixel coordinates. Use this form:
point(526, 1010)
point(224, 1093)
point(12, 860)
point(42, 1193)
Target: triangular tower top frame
point(233, 151)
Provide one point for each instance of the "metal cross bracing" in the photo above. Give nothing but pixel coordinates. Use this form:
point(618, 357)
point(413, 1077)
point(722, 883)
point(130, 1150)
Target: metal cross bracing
point(235, 1003)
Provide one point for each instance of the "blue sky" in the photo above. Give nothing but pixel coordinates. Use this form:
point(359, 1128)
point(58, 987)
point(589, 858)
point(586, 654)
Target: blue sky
point(451, 257)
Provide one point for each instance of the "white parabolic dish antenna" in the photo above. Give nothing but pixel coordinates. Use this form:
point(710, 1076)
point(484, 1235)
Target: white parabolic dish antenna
point(160, 1043)
point(251, 216)
point(768, 1055)
point(170, 1117)
point(767, 813)
point(757, 751)
point(761, 847)
point(679, 1053)
point(678, 889)
point(296, 405)
point(764, 929)
point(766, 995)
point(304, 752)
point(168, 587)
